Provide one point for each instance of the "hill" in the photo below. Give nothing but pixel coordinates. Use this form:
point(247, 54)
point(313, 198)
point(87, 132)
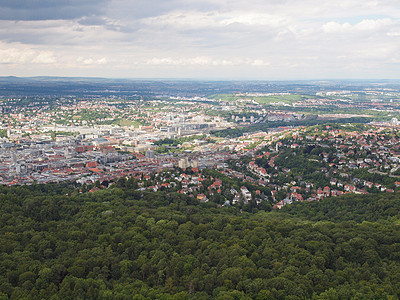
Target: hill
point(62, 242)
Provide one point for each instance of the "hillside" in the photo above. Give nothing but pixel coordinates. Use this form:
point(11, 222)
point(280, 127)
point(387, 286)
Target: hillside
point(58, 243)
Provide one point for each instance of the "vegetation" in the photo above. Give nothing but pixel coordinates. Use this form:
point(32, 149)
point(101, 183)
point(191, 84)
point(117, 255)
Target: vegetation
point(120, 243)
point(278, 98)
point(178, 141)
point(53, 133)
point(126, 122)
point(309, 121)
point(381, 208)
point(3, 133)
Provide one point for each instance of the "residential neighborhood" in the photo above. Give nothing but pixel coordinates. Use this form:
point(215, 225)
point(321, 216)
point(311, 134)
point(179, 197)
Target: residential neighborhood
point(172, 144)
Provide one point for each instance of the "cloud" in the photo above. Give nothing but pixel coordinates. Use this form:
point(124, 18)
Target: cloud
point(334, 27)
point(44, 57)
point(91, 61)
point(206, 61)
point(371, 25)
point(183, 37)
point(50, 9)
point(141, 9)
point(23, 55)
point(216, 19)
point(364, 25)
point(58, 34)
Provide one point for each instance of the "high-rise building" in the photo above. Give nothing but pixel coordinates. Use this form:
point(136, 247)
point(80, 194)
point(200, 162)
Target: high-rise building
point(13, 158)
point(150, 154)
point(195, 164)
point(184, 163)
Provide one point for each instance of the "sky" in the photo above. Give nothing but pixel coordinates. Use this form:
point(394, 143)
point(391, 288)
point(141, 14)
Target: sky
point(201, 39)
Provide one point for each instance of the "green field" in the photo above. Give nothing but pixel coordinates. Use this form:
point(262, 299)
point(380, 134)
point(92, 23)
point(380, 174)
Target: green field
point(126, 122)
point(288, 99)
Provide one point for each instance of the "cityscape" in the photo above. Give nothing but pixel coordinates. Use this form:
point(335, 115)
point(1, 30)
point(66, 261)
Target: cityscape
point(175, 192)
point(244, 135)
point(199, 150)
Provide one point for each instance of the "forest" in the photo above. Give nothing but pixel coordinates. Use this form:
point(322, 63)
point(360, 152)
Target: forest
point(60, 241)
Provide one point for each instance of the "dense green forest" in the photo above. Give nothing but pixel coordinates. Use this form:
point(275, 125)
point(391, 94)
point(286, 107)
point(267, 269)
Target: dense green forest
point(58, 241)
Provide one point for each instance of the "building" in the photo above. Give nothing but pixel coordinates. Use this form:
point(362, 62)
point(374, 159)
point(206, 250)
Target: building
point(100, 142)
point(245, 194)
point(184, 163)
point(150, 154)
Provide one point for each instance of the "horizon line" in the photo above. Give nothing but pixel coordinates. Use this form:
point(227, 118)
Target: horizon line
point(196, 79)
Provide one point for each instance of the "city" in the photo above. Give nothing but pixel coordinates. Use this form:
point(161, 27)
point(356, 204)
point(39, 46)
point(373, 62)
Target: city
point(199, 150)
point(263, 139)
point(242, 194)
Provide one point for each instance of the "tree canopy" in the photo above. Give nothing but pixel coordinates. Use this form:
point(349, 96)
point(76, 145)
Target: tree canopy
point(119, 243)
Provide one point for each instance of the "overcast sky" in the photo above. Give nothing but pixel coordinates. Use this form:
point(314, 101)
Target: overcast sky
point(214, 39)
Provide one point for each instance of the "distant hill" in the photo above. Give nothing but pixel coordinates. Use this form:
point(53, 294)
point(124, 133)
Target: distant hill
point(92, 86)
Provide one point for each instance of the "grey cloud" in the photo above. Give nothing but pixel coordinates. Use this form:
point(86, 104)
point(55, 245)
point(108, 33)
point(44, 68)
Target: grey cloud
point(108, 24)
point(50, 9)
point(93, 20)
point(307, 36)
point(138, 9)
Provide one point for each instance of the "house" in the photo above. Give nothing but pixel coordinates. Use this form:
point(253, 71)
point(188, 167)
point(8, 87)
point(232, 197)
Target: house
point(327, 190)
point(245, 194)
point(295, 188)
point(202, 198)
point(294, 146)
point(279, 205)
point(296, 196)
point(154, 188)
point(236, 199)
point(309, 185)
point(349, 188)
point(217, 184)
point(96, 170)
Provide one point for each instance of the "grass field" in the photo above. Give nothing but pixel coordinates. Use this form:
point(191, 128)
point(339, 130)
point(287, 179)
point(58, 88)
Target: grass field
point(125, 122)
point(288, 99)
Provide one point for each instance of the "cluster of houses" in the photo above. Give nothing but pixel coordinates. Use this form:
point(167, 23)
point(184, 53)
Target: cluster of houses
point(345, 156)
point(349, 156)
point(197, 185)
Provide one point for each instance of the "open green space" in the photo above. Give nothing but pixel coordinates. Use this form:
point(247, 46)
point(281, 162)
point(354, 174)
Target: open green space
point(126, 122)
point(287, 99)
